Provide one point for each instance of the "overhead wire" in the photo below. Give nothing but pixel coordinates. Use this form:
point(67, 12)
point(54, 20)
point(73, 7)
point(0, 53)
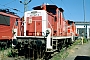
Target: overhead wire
point(64, 4)
point(67, 16)
point(12, 8)
point(52, 1)
point(67, 8)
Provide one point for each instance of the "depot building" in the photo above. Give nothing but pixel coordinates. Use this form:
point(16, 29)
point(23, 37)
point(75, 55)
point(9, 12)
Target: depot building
point(83, 29)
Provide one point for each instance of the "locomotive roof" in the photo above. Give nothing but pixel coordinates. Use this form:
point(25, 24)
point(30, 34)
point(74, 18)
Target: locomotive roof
point(61, 9)
point(70, 22)
point(6, 12)
point(51, 6)
point(47, 6)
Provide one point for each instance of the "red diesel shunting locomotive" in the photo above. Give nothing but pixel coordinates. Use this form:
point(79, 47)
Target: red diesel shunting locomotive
point(45, 31)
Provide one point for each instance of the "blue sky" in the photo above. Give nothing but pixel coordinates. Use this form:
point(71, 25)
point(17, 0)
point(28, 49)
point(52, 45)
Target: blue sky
point(73, 9)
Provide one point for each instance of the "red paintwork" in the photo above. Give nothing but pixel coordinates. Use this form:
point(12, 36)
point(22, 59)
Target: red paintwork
point(71, 29)
point(6, 31)
point(30, 31)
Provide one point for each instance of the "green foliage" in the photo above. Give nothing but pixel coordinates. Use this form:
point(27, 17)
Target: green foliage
point(9, 54)
point(62, 55)
point(85, 40)
point(77, 42)
point(12, 53)
point(2, 49)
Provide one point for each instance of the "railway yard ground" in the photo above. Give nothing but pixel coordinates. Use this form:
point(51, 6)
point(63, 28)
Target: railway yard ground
point(75, 52)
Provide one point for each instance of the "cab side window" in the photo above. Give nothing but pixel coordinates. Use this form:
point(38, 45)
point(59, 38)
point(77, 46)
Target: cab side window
point(16, 23)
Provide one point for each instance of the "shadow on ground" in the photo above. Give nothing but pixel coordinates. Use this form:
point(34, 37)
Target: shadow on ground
point(82, 58)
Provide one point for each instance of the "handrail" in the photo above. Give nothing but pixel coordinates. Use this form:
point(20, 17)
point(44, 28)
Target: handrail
point(51, 28)
point(17, 27)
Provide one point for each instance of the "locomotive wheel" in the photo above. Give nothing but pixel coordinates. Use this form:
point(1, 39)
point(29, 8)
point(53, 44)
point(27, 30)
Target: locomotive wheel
point(47, 56)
